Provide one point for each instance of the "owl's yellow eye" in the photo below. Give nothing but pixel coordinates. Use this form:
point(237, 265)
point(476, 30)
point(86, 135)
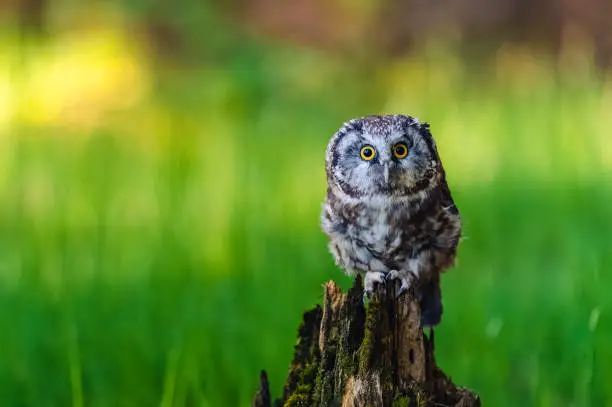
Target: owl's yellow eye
point(400, 150)
point(367, 153)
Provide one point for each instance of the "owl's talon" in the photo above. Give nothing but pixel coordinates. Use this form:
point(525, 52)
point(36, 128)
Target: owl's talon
point(394, 274)
point(369, 282)
point(405, 280)
point(404, 287)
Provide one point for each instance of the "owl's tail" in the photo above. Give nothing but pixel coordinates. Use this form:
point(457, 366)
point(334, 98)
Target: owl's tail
point(431, 302)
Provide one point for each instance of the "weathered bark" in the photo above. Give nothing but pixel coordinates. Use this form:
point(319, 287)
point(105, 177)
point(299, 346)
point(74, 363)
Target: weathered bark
point(347, 356)
point(262, 397)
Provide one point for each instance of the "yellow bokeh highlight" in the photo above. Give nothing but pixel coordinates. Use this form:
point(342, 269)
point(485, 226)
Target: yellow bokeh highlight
point(80, 79)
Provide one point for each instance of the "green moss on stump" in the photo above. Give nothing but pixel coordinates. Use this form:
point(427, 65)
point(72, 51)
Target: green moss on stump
point(309, 374)
point(371, 339)
point(359, 343)
point(402, 401)
point(324, 382)
point(298, 400)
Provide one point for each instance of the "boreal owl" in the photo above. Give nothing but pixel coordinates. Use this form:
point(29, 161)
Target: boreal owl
point(388, 211)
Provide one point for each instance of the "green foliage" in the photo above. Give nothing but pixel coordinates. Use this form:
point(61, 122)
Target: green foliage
point(166, 256)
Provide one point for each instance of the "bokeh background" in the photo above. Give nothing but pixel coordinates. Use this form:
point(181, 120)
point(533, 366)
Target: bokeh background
point(161, 175)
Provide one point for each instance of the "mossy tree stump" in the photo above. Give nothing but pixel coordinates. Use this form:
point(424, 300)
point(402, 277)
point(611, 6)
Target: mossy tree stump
point(348, 355)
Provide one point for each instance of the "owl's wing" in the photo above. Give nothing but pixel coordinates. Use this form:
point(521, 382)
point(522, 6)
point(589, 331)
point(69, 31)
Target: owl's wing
point(448, 228)
point(446, 200)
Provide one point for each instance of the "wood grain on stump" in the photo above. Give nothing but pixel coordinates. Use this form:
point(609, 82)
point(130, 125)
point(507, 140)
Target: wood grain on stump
point(348, 355)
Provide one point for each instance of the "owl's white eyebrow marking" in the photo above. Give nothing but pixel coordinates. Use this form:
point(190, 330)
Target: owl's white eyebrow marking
point(367, 137)
point(397, 135)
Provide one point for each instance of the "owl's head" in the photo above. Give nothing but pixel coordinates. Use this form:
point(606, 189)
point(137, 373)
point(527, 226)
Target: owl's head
point(391, 155)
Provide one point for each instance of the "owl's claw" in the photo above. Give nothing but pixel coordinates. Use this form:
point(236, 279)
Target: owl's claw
point(404, 287)
point(406, 280)
point(371, 279)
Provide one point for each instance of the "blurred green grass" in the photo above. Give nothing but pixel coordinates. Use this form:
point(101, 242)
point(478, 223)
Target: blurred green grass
point(165, 255)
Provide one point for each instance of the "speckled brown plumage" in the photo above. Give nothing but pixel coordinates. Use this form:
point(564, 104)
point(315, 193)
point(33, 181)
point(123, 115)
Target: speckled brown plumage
point(389, 216)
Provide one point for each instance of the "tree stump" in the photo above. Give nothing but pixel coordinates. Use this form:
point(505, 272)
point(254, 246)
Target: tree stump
point(348, 355)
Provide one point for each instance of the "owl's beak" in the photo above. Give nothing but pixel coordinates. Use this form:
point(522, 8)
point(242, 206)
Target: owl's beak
point(386, 172)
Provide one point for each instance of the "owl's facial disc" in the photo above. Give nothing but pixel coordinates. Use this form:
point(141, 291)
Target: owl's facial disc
point(401, 164)
point(374, 165)
point(382, 156)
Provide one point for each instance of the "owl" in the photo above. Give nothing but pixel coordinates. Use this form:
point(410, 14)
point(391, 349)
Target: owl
point(388, 211)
